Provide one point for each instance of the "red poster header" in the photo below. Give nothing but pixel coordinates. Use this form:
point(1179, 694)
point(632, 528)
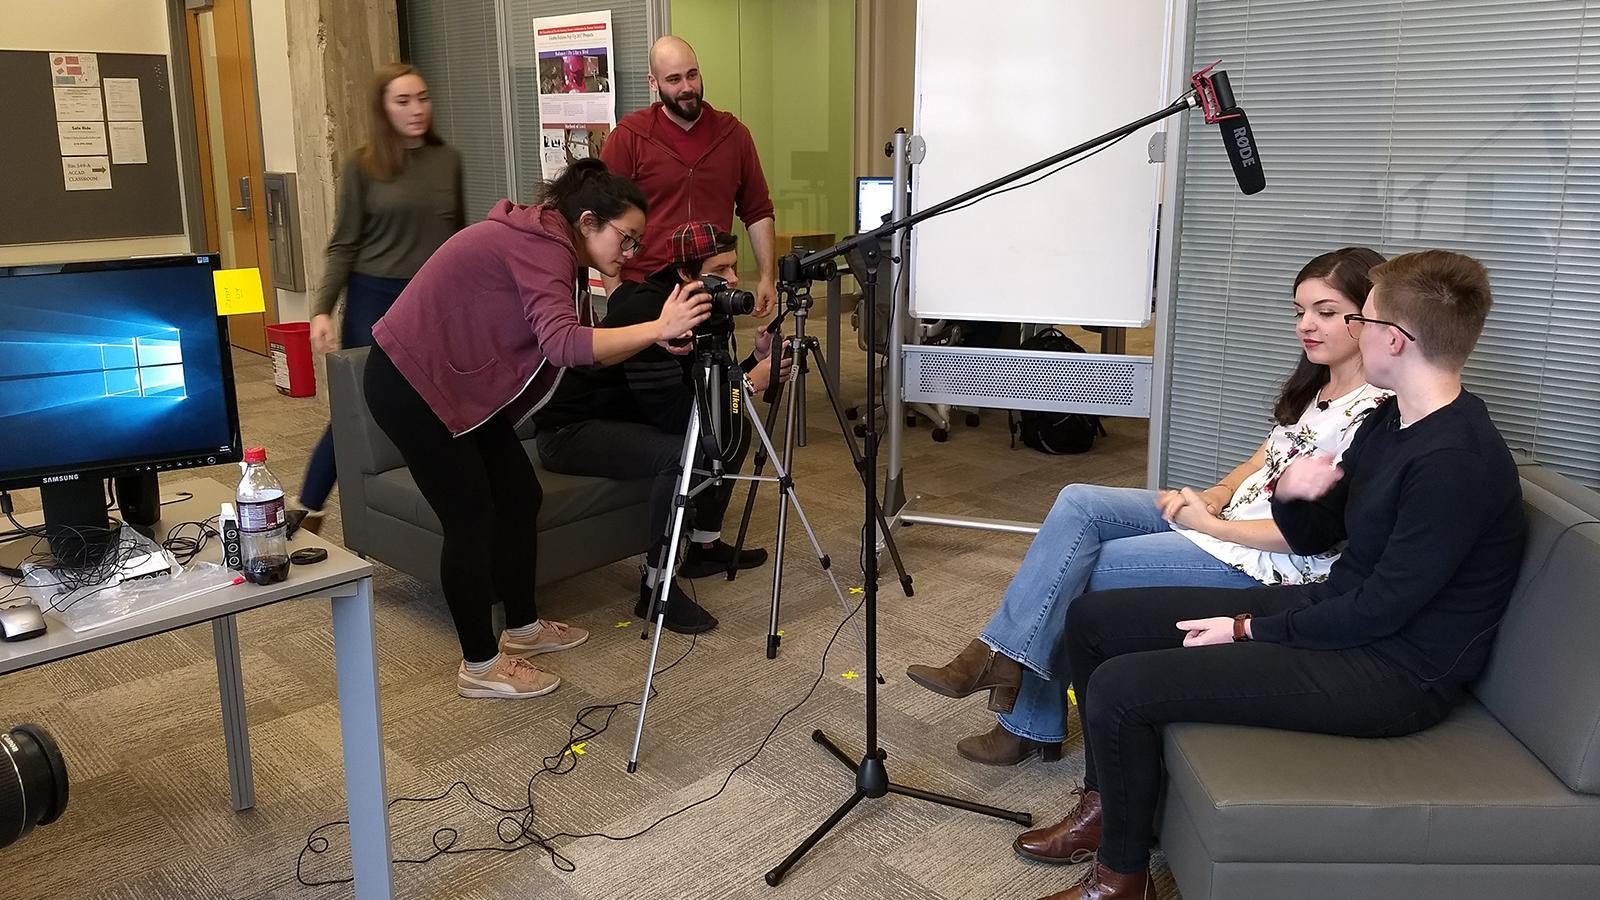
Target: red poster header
point(565, 29)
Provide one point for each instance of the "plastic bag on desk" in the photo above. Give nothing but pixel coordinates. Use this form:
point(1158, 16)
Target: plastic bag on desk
point(94, 598)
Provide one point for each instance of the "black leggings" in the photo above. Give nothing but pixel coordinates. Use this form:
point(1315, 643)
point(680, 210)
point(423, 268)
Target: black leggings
point(484, 490)
point(1132, 675)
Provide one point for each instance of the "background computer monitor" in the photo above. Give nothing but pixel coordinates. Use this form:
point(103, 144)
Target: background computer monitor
point(108, 368)
point(874, 200)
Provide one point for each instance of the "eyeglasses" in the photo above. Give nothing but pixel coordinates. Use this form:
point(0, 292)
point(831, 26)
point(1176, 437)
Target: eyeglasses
point(1357, 317)
point(630, 244)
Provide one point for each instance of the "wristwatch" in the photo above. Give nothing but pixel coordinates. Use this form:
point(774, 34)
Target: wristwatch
point(1239, 634)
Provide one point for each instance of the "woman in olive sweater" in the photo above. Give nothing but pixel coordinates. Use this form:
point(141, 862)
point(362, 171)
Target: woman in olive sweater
point(399, 200)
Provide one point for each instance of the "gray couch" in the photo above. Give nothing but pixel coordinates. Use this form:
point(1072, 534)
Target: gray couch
point(1501, 800)
point(584, 522)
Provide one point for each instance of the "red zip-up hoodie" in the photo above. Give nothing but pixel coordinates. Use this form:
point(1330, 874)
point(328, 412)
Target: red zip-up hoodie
point(726, 176)
point(491, 318)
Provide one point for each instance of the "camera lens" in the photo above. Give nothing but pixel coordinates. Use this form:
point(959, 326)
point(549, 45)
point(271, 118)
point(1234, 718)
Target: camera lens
point(725, 300)
point(33, 782)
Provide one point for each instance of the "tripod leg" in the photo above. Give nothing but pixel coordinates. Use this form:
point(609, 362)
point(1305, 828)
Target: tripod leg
point(781, 869)
point(750, 498)
point(786, 492)
point(662, 594)
point(1021, 818)
point(855, 454)
point(781, 466)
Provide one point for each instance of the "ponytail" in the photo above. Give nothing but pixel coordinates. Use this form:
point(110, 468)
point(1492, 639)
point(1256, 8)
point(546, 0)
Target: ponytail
point(587, 186)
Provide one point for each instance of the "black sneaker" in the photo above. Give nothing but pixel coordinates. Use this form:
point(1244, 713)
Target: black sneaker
point(684, 616)
point(700, 560)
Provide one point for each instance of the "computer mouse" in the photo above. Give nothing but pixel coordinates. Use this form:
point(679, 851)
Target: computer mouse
point(20, 622)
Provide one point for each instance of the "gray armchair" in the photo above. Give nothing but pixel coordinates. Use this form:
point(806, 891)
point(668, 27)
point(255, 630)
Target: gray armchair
point(584, 522)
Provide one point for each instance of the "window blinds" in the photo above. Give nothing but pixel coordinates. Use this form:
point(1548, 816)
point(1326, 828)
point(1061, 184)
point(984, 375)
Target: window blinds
point(1400, 125)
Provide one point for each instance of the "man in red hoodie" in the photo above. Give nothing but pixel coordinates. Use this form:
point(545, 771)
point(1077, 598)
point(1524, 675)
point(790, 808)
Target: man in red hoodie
point(693, 163)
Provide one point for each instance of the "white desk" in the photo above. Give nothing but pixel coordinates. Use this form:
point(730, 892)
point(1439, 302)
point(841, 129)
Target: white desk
point(347, 581)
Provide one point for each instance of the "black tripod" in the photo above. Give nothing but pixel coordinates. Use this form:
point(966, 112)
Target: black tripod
point(864, 252)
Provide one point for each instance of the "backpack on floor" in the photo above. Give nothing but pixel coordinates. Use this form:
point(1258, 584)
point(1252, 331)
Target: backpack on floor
point(1053, 432)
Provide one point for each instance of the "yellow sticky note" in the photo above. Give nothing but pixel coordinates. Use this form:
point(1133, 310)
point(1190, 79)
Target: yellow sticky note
point(239, 291)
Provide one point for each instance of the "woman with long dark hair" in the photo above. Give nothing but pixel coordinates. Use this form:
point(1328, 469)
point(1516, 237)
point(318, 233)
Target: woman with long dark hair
point(1099, 538)
point(474, 345)
point(399, 200)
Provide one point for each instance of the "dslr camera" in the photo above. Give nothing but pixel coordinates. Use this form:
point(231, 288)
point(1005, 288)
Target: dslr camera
point(726, 302)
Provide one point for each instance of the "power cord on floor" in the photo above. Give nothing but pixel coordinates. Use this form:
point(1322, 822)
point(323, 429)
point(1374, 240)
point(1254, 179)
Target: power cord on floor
point(515, 828)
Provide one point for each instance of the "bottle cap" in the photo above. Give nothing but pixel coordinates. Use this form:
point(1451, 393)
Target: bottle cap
point(255, 455)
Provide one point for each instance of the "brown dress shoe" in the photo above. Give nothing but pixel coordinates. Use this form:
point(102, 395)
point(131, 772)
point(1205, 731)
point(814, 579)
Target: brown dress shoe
point(1074, 839)
point(1108, 884)
point(976, 668)
point(999, 747)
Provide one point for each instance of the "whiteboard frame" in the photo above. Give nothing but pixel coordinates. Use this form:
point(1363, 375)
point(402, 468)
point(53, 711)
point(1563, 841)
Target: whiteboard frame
point(1000, 260)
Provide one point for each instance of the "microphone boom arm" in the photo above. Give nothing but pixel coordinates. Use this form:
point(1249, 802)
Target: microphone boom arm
point(795, 267)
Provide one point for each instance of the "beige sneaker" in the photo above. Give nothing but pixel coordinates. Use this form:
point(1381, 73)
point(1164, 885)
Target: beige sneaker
point(552, 637)
point(512, 678)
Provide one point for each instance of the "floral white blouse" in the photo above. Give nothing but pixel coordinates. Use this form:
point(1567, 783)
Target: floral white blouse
point(1326, 431)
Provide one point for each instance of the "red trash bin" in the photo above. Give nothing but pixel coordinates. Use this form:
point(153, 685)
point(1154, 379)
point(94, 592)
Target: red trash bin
point(292, 369)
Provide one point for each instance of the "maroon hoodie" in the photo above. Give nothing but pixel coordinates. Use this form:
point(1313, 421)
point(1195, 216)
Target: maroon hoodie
point(491, 317)
point(726, 176)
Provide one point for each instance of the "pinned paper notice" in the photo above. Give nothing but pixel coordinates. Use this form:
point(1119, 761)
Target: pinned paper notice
point(86, 173)
point(239, 292)
point(122, 100)
point(82, 138)
point(79, 104)
point(74, 69)
point(127, 143)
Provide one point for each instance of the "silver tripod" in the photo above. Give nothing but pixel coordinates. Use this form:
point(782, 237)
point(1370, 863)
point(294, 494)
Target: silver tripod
point(717, 377)
point(804, 347)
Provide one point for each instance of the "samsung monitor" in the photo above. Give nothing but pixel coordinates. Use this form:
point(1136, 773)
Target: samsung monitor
point(110, 368)
point(874, 201)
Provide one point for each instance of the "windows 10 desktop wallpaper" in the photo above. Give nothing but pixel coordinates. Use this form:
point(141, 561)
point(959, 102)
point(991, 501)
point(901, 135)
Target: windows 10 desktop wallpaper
point(105, 366)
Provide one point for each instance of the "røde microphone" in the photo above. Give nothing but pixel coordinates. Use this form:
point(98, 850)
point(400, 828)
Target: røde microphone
point(1237, 138)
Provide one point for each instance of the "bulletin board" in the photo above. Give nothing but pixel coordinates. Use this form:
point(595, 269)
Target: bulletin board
point(144, 199)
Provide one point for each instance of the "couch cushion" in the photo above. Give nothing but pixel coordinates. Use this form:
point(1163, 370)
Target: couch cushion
point(1543, 677)
point(1464, 791)
point(567, 498)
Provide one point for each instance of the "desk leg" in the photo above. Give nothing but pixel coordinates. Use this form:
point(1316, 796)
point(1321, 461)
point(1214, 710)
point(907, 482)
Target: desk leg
point(235, 724)
point(361, 727)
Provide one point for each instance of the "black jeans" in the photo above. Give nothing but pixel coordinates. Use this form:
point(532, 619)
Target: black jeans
point(366, 299)
point(484, 490)
point(609, 448)
point(1132, 675)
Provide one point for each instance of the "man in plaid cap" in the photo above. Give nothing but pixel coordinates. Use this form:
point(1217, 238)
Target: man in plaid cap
point(628, 421)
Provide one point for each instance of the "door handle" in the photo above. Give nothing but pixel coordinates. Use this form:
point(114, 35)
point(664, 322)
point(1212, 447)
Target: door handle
point(244, 196)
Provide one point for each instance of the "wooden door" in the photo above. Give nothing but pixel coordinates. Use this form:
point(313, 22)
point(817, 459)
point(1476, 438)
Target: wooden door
point(229, 124)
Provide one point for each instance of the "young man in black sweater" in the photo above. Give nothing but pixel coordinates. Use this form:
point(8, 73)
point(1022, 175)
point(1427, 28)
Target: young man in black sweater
point(1427, 503)
point(627, 421)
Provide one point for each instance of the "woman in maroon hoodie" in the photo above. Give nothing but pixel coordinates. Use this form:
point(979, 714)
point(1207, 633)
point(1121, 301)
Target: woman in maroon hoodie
point(473, 345)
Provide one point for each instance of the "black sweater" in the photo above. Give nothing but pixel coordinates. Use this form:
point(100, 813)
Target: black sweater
point(1433, 518)
point(652, 387)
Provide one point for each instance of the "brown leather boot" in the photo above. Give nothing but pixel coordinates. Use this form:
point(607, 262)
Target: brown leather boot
point(999, 747)
point(1074, 839)
point(976, 668)
point(1108, 884)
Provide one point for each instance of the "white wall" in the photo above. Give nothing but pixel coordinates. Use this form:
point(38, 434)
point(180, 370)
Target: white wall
point(89, 26)
point(270, 27)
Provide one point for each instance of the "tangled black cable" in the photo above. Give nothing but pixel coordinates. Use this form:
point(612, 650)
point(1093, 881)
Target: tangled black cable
point(520, 820)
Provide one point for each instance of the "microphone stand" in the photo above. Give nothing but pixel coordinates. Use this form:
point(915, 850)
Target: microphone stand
point(864, 252)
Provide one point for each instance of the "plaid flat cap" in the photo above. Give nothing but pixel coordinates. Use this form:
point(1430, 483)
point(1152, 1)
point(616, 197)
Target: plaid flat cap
point(693, 241)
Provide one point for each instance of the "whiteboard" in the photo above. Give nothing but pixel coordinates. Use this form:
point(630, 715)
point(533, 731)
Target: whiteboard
point(1007, 83)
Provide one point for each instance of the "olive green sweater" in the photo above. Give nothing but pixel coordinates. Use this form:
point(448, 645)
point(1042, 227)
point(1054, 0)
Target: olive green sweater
point(390, 228)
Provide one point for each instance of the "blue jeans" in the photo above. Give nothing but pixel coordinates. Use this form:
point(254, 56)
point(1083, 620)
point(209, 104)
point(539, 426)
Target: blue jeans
point(1095, 538)
point(366, 299)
